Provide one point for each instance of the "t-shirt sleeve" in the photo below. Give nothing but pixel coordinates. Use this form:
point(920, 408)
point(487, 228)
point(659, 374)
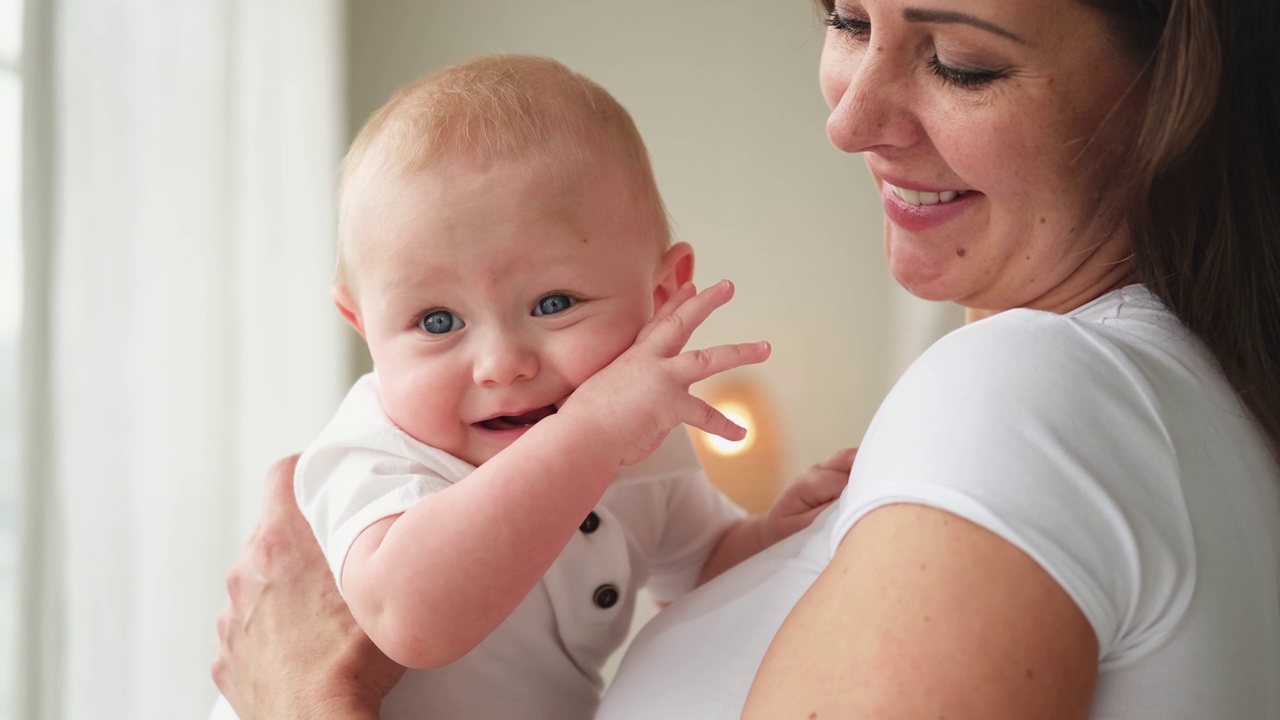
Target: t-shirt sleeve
point(344, 488)
point(1039, 429)
point(697, 515)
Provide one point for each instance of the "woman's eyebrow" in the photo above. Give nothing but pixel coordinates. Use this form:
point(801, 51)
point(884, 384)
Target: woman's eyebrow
point(950, 17)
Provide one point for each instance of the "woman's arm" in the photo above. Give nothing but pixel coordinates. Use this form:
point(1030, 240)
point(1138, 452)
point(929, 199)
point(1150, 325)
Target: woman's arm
point(288, 647)
point(924, 614)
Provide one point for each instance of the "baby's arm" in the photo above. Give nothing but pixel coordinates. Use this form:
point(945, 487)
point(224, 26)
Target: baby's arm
point(806, 496)
point(430, 584)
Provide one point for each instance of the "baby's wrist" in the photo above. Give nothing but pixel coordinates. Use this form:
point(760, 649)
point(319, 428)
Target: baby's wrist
point(762, 531)
point(589, 434)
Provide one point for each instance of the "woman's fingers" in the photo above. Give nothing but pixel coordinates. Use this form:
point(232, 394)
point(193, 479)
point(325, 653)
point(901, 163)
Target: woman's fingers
point(277, 491)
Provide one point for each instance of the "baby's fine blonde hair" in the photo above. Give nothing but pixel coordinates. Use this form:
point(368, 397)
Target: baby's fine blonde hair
point(503, 107)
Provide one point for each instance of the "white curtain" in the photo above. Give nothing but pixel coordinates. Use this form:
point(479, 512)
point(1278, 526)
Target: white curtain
point(178, 334)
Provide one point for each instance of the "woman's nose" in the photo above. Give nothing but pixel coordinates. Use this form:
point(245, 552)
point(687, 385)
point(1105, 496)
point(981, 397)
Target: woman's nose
point(505, 359)
point(871, 101)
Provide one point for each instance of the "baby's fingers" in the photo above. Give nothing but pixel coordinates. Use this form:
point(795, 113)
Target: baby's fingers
point(682, 314)
point(824, 486)
point(841, 460)
point(678, 298)
point(697, 365)
point(697, 413)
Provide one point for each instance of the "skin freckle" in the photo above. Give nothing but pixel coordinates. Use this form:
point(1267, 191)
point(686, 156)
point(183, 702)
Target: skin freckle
point(1030, 674)
point(1041, 221)
point(960, 252)
point(813, 716)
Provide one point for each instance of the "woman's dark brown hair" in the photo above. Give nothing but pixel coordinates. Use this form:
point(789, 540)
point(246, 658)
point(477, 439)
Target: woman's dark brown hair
point(1202, 197)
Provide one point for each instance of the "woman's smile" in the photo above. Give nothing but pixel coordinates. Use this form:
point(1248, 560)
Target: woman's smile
point(920, 211)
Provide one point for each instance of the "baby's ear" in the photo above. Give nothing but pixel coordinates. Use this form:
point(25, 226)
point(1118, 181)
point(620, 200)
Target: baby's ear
point(676, 270)
point(347, 307)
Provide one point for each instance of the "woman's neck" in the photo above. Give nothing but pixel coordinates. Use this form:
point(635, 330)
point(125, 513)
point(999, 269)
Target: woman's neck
point(1117, 275)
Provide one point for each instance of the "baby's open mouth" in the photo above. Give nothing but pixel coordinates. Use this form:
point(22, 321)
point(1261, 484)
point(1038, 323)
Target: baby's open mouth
point(514, 422)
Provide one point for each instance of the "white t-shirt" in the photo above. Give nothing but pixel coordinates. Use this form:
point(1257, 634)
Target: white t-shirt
point(654, 527)
point(1105, 444)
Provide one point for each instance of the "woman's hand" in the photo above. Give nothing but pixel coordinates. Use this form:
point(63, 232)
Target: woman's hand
point(287, 645)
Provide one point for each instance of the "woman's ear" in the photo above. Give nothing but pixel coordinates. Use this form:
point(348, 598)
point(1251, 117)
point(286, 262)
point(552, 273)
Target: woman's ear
point(676, 270)
point(347, 307)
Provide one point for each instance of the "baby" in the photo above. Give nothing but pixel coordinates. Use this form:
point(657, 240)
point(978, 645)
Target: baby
point(491, 497)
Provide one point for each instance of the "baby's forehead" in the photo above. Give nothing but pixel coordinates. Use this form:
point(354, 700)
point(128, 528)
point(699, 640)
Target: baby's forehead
point(542, 179)
point(522, 195)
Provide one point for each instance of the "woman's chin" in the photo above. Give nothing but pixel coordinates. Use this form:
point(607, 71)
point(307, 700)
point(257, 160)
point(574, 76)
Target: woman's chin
point(925, 280)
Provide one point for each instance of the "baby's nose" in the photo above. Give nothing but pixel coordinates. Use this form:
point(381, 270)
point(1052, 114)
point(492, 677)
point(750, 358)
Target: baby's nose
point(504, 361)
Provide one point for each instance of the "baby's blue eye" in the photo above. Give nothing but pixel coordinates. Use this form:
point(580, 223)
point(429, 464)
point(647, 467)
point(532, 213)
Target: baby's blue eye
point(552, 304)
point(439, 322)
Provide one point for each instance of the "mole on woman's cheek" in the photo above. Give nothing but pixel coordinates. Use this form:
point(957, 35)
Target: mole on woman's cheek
point(960, 252)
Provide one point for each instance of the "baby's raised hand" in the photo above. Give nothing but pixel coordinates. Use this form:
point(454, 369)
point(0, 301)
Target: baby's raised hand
point(806, 496)
point(644, 393)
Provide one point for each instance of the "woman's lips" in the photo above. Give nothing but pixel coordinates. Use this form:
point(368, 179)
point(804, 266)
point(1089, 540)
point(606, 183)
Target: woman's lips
point(920, 211)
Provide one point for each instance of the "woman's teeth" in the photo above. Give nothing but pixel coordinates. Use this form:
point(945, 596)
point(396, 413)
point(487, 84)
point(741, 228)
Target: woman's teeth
point(916, 197)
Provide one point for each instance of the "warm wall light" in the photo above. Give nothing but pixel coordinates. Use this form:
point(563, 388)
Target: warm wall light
point(747, 471)
point(742, 415)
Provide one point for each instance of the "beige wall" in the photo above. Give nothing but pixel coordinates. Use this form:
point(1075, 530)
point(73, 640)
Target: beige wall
point(726, 96)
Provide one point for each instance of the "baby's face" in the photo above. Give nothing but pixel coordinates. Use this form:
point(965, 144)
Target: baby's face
point(492, 293)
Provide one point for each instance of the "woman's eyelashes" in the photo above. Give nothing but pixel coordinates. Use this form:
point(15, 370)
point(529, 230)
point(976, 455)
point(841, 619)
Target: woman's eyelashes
point(963, 78)
point(849, 25)
point(860, 29)
point(553, 303)
point(440, 322)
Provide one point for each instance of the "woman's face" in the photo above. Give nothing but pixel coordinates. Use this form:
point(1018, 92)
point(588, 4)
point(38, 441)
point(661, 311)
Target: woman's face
point(993, 129)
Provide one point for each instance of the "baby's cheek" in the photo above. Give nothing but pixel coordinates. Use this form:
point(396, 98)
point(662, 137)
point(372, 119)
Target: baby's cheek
point(416, 410)
point(604, 348)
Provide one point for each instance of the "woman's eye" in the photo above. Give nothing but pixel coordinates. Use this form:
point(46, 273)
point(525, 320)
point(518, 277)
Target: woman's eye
point(855, 27)
point(440, 322)
point(963, 78)
point(552, 304)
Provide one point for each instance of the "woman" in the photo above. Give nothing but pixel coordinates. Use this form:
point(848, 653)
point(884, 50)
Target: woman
point(1068, 508)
